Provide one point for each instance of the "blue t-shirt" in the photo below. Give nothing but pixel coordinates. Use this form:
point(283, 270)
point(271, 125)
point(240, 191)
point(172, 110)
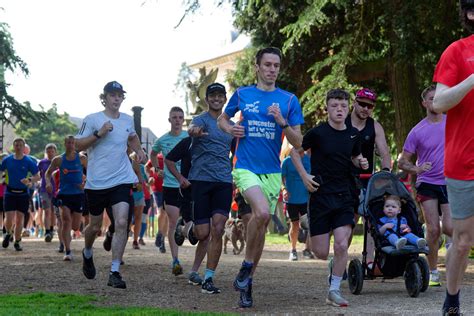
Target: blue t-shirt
point(18, 169)
point(164, 145)
point(259, 150)
point(293, 183)
point(210, 153)
point(70, 175)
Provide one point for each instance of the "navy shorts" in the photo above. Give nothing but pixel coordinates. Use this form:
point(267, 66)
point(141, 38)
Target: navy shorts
point(98, 200)
point(427, 191)
point(186, 207)
point(71, 201)
point(16, 202)
point(294, 211)
point(210, 198)
point(329, 211)
point(158, 196)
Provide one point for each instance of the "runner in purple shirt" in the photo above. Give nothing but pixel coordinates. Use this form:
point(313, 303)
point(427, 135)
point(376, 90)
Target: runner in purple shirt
point(426, 142)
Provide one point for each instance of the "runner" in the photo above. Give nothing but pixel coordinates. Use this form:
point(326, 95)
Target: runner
point(71, 189)
point(16, 199)
point(426, 142)
point(110, 176)
point(267, 114)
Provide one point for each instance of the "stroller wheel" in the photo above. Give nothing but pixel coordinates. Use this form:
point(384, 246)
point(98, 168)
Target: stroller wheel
point(413, 278)
point(355, 276)
point(425, 273)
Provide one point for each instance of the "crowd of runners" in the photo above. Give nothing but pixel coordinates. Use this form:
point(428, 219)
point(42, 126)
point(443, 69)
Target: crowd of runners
point(104, 183)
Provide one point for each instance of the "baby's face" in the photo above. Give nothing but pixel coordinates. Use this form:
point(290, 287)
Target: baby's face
point(391, 208)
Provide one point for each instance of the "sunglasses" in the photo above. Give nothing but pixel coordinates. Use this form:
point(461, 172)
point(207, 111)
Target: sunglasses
point(369, 106)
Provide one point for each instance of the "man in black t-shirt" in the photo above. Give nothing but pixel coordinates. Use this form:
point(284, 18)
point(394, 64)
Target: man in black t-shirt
point(335, 149)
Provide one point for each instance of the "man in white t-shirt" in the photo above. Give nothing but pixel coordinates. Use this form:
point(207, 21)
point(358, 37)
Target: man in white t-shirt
point(110, 176)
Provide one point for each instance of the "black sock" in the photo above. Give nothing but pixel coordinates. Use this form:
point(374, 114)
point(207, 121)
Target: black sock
point(451, 303)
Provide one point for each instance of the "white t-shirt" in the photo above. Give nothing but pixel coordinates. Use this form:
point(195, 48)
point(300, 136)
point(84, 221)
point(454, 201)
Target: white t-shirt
point(108, 163)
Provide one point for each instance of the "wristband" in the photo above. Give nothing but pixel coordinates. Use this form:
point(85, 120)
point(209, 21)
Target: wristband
point(96, 134)
point(285, 126)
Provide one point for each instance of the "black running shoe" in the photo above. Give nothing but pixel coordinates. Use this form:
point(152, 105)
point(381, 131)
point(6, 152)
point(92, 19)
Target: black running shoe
point(17, 246)
point(246, 300)
point(178, 232)
point(6, 241)
point(209, 288)
point(242, 280)
point(158, 240)
point(107, 241)
point(115, 280)
point(192, 239)
point(48, 237)
point(88, 267)
point(61, 247)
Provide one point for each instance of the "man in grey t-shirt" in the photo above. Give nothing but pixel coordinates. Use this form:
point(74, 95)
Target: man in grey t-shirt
point(211, 180)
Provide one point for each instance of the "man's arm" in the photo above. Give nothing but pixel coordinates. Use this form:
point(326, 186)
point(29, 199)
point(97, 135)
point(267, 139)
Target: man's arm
point(183, 182)
point(55, 164)
point(360, 162)
point(447, 98)
point(135, 144)
point(236, 130)
point(405, 163)
point(308, 181)
point(85, 142)
point(382, 146)
point(293, 135)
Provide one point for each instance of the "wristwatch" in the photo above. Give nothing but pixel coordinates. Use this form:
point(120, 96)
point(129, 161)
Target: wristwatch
point(285, 126)
point(96, 134)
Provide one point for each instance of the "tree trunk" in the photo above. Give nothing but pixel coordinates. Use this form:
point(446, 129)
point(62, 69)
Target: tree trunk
point(406, 100)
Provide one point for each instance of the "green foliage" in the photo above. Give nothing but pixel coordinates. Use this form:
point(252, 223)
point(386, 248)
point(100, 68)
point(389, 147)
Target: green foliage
point(52, 130)
point(10, 109)
point(73, 304)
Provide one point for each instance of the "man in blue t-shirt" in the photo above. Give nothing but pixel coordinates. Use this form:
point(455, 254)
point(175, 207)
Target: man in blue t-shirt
point(16, 200)
point(267, 114)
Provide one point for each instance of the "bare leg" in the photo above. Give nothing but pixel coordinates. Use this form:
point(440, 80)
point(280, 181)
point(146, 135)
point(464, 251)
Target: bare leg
point(120, 212)
point(91, 230)
point(66, 227)
point(173, 214)
point(215, 245)
point(433, 230)
point(294, 229)
point(19, 217)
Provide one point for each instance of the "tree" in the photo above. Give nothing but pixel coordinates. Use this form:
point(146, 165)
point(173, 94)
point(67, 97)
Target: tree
point(391, 46)
point(11, 110)
point(52, 130)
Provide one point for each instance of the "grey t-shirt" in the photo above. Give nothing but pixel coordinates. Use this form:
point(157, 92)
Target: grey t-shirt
point(210, 153)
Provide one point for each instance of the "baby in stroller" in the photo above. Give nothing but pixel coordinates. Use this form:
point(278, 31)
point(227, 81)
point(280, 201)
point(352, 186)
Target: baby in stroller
point(395, 228)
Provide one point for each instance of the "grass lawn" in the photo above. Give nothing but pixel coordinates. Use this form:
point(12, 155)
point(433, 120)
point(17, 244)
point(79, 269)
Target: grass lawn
point(73, 304)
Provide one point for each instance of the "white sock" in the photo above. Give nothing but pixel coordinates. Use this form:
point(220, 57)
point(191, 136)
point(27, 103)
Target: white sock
point(87, 253)
point(115, 266)
point(335, 283)
point(435, 271)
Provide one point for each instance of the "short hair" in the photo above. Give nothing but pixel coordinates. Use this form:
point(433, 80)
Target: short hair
point(103, 95)
point(267, 50)
point(69, 137)
point(427, 90)
point(19, 139)
point(50, 145)
point(339, 94)
point(176, 109)
point(395, 198)
point(464, 5)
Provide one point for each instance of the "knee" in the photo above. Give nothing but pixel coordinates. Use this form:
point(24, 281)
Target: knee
point(321, 253)
point(433, 232)
point(121, 224)
point(463, 246)
point(340, 247)
point(201, 234)
point(262, 218)
point(217, 231)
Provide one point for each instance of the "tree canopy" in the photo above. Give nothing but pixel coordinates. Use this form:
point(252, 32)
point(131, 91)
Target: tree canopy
point(52, 130)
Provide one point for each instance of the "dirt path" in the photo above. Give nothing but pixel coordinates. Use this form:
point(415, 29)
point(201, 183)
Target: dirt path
point(280, 286)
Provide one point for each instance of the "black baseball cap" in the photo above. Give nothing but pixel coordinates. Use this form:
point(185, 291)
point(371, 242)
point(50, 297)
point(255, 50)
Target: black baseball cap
point(213, 87)
point(113, 86)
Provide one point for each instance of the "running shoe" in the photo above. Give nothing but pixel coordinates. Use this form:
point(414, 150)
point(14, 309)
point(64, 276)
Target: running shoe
point(158, 240)
point(401, 242)
point(116, 281)
point(177, 269)
point(107, 241)
point(6, 240)
point(293, 255)
point(135, 245)
point(25, 233)
point(194, 278)
point(190, 234)
point(178, 232)
point(17, 246)
point(141, 242)
point(242, 280)
point(335, 299)
point(61, 247)
point(48, 237)
point(88, 267)
point(162, 248)
point(209, 288)
point(246, 300)
point(67, 257)
point(434, 279)
point(421, 243)
point(308, 254)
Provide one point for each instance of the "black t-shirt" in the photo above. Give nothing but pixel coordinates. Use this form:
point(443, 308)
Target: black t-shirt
point(182, 151)
point(367, 144)
point(331, 156)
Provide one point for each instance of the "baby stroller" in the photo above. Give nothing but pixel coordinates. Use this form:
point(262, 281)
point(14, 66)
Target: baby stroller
point(391, 262)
